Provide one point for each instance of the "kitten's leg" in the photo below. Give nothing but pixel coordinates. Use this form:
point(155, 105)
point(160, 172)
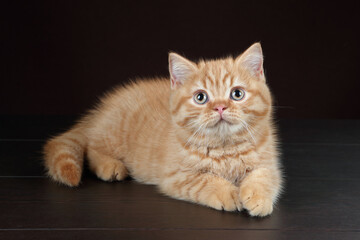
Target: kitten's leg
point(259, 190)
point(202, 188)
point(106, 167)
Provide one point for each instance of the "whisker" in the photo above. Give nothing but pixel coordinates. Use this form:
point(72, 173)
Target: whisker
point(194, 134)
point(248, 130)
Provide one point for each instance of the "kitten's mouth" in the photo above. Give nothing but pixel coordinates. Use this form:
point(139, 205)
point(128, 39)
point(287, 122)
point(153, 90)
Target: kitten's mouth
point(222, 121)
point(218, 121)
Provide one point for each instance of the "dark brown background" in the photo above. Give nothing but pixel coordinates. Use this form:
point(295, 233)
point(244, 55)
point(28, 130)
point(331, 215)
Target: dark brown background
point(58, 56)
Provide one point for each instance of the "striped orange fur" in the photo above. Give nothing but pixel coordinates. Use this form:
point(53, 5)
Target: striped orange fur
point(205, 137)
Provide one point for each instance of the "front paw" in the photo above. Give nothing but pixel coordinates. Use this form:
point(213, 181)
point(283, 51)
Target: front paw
point(225, 200)
point(256, 201)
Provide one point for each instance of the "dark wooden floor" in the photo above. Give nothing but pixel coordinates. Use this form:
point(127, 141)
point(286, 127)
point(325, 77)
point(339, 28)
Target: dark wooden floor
point(322, 198)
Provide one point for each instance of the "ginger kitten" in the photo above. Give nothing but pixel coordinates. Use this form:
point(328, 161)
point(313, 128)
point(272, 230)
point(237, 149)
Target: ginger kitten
point(205, 136)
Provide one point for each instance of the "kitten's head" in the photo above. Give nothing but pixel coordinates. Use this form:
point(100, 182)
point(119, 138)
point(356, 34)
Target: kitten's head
point(219, 97)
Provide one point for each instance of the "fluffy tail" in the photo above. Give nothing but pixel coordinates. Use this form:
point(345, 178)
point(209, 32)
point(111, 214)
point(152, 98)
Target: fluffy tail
point(64, 156)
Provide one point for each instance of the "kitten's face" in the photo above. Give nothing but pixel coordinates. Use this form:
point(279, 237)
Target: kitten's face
point(222, 97)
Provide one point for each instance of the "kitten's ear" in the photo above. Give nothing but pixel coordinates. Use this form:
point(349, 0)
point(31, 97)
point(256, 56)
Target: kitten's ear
point(252, 60)
point(180, 69)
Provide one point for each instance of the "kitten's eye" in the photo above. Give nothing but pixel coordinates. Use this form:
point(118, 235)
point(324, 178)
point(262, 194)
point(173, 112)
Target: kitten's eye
point(237, 94)
point(200, 97)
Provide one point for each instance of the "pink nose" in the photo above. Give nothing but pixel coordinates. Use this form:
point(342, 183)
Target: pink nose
point(220, 109)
